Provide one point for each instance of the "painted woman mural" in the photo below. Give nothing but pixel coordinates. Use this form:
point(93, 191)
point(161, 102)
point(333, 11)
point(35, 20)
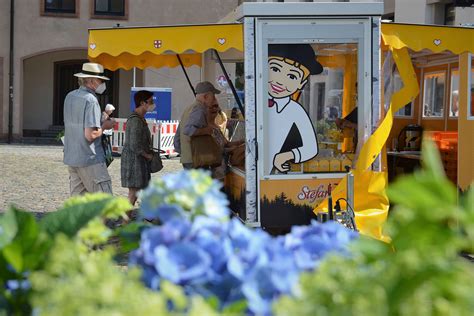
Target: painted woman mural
point(291, 133)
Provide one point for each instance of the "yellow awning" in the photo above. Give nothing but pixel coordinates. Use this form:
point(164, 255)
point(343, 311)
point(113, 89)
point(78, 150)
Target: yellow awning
point(143, 47)
point(435, 38)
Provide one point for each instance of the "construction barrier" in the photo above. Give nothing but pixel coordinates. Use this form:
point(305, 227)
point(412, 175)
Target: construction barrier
point(118, 135)
point(162, 135)
point(167, 133)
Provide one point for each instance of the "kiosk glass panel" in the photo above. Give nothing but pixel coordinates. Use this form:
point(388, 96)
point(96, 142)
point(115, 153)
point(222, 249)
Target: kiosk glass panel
point(312, 107)
point(433, 96)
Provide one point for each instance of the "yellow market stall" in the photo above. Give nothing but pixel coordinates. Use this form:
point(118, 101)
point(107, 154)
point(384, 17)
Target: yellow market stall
point(434, 67)
point(295, 160)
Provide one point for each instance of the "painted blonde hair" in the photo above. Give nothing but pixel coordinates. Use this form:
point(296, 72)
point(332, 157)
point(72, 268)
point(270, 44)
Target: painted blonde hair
point(293, 63)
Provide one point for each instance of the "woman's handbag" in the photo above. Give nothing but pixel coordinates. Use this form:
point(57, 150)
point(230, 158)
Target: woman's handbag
point(237, 156)
point(206, 152)
point(156, 164)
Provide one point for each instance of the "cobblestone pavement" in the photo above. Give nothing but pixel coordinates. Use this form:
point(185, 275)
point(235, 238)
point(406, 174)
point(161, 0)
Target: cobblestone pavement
point(34, 178)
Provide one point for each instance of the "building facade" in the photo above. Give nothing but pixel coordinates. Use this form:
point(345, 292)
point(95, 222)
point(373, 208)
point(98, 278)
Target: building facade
point(444, 12)
point(50, 44)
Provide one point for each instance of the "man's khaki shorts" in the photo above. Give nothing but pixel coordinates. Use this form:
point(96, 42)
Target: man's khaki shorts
point(90, 179)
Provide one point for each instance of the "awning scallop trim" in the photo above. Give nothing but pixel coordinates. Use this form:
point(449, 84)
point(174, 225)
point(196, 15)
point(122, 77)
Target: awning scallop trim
point(435, 38)
point(127, 61)
point(143, 47)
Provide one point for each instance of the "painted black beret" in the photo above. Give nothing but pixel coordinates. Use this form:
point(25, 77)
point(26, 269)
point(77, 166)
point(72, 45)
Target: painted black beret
point(301, 53)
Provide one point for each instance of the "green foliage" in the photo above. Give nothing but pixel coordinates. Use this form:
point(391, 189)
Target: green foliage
point(59, 135)
point(25, 244)
point(22, 249)
point(69, 277)
point(78, 211)
point(8, 228)
point(419, 273)
point(79, 283)
point(95, 233)
point(129, 236)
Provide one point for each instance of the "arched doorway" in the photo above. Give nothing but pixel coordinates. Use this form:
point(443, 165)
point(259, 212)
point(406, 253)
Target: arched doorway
point(65, 81)
point(47, 79)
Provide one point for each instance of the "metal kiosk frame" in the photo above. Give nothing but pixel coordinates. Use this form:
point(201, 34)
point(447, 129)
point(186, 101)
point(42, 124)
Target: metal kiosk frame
point(266, 23)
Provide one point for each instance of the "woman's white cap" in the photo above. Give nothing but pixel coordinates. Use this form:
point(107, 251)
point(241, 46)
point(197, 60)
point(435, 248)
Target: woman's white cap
point(109, 107)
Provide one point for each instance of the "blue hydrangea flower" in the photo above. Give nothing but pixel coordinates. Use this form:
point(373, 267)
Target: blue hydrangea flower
point(211, 236)
point(182, 263)
point(193, 191)
point(164, 213)
point(14, 285)
point(309, 244)
point(260, 292)
point(248, 249)
point(149, 274)
point(167, 234)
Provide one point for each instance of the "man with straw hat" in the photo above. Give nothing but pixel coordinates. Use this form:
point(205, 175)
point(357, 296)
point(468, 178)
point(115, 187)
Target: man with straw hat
point(83, 151)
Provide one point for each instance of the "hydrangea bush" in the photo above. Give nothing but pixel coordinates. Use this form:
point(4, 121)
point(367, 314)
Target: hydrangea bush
point(200, 249)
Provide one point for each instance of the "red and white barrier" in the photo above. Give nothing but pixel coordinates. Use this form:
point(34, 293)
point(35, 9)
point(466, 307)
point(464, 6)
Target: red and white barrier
point(167, 133)
point(162, 135)
point(118, 135)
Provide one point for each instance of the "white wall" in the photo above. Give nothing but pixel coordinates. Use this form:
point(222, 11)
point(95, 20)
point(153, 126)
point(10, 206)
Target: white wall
point(125, 83)
point(412, 11)
point(464, 16)
point(388, 6)
point(174, 78)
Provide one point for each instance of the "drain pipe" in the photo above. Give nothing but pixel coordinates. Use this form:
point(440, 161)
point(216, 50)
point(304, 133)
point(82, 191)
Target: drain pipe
point(10, 104)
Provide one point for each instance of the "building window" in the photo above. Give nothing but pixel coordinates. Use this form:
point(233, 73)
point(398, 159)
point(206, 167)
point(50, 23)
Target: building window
point(433, 95)
point(64, 8)
point(449, 14)
point(114, 9)
point(405, 111)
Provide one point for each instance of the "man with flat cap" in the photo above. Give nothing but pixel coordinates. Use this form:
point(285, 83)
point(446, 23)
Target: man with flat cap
point(292, 133)
point(83, 151)
point(193, 121)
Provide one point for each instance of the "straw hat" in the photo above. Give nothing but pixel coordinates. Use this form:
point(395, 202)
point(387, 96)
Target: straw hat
point(92, 70)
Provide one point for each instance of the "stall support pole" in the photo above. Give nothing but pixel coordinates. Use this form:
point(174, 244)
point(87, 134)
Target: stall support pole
point(11, 75)
point(186, 74)
point(134, 76)
point(231, 85)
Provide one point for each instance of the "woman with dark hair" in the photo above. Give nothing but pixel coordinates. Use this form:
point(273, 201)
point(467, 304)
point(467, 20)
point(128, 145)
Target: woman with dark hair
point(138, 149)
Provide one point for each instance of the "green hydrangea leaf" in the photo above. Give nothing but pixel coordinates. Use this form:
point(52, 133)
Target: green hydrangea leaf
point(8, 227)
point(78, 211)
point(28, 247)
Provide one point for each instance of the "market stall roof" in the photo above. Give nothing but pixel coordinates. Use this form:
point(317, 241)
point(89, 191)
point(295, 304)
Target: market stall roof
point(143, 47)
point(432, 37)
point(157, 46)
